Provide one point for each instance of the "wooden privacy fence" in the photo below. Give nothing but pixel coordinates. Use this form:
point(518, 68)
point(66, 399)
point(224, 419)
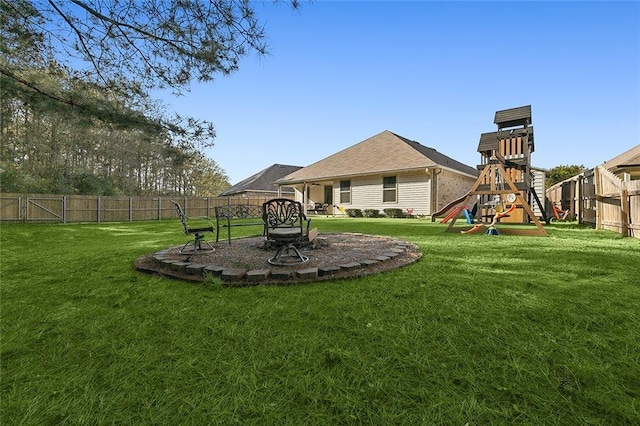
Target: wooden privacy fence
point(618, 203)
point(576, 194)
point(602, 199)
point(82, 208)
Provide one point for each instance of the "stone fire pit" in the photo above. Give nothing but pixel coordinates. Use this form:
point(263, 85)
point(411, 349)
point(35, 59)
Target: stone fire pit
point(244, 261)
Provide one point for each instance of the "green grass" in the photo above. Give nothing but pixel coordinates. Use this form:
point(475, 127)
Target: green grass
point(481, 330)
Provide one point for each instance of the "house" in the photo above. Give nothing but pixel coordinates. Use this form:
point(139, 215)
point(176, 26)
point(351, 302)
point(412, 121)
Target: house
point(262, 184)
point(627, 163)
point(381, 172)
point(538, 178)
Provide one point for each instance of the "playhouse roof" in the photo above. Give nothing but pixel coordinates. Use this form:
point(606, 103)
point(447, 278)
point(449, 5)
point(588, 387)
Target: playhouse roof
point(519, 116)
point(489, 141)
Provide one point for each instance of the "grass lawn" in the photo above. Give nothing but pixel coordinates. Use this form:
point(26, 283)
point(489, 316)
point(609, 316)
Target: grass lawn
point(481, 330)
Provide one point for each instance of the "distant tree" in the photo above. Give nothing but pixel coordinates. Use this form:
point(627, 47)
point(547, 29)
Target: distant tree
point(128, 47)
point(211, 180)
point(44, 149)
point(560, 173)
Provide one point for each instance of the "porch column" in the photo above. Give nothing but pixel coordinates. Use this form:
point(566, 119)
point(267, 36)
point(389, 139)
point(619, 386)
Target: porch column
point(304, 197)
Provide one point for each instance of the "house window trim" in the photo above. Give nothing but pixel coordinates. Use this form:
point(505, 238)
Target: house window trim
point(386, 190)
point(344, 192)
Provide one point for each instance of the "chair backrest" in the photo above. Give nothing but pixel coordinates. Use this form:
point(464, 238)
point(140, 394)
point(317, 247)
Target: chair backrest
point(282, 212)
point(238, 211)
point(182, 216)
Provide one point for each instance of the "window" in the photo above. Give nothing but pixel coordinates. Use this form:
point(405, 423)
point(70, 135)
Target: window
point(345, 192)
point(389, 189)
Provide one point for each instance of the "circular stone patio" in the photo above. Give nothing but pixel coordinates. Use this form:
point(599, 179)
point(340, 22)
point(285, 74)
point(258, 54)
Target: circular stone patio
point(244, 261)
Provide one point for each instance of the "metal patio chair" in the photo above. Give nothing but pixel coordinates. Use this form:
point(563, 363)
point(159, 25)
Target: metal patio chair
point(196, 226)
point(288, 228)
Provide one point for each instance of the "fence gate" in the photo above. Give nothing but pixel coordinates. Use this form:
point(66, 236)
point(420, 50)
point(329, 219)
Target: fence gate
point(588, 198)
point(44, 209)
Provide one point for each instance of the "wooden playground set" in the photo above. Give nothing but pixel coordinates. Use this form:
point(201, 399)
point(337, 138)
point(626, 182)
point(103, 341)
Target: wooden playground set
point(500, 200)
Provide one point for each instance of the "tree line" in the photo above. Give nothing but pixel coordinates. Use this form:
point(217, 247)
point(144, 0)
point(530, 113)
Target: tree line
point(46, 148)
point(75, 114)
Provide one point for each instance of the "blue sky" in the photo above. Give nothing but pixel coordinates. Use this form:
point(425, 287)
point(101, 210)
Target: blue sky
point(340, 72)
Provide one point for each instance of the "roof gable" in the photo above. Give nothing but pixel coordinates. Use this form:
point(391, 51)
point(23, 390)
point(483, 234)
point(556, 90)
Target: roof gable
point(385, 152)
point(262, 181)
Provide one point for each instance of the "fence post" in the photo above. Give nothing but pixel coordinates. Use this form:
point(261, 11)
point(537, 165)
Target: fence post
point(582, 201)
point(130, 209)
point(99, 207)
point(159, 208)
point(624, 212)
point(596, 177)
point(64, 209)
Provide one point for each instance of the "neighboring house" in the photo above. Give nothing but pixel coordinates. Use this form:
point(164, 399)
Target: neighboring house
point(627, 163)
point(384, 171)
point(262, 184)
point(538, 178)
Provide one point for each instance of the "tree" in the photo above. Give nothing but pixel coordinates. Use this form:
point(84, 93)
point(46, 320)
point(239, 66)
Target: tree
point(75, 114)
point(211, 180)
point(127, 47)
point(45, 149)
point(560, 173)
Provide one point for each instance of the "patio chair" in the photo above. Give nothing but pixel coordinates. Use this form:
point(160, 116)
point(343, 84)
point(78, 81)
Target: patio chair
point(196, 226)
point(320, 208)
point(286, 225)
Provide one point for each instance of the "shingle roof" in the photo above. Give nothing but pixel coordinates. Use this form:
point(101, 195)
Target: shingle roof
point(520, 116)
point(385, 152)
point(262, 181)
point(439, 158)
point(489, 141)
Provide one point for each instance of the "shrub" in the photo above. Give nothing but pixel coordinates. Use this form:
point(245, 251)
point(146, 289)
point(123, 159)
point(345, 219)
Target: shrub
point(393, 212)
point(371, 213)
point(354, 212)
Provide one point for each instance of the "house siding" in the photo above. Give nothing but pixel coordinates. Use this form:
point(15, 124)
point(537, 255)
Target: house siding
point(414, 193)
point(451, 186)
point(537, 183)
point(366, 193)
